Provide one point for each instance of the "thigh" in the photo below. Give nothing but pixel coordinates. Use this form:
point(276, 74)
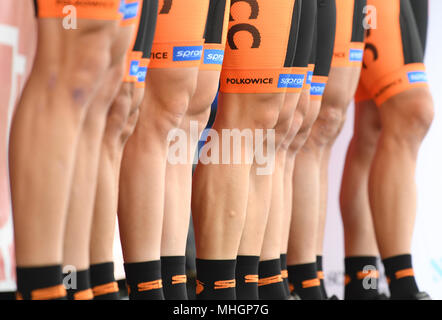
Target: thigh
point(393, 58)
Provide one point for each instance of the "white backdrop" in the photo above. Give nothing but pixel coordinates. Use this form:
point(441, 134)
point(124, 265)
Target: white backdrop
point(427, 241)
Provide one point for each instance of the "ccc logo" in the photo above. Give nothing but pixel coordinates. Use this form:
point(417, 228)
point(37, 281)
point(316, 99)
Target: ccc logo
point(167, 5)
point(370, 47)
point(245, 26)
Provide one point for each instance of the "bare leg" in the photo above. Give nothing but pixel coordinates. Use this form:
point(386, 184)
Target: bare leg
point(360, 239)
point(405, 120)
point(179, 176)
point(70, 67)
point(81, 202)
point(47, 127)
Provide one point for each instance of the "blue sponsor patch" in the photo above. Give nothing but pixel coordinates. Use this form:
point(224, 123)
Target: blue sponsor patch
point(317, 89)
point(309, 77)
point(356, 55)
point(417, 76)
point(291, 81)
point(134, 66)
point(130, 10)
point(213, 56)
point(141, 74)
point(192, 53)
point(122, 7)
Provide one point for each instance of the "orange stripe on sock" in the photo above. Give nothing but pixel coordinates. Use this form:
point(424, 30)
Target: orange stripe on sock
point(103, 289)
point(321, 275)
point(291, 287)
point(284, 274)
point(251, 278)
point(199, 287)
point(347, 279)
point(404, 273)
point(311, 283)
point(84, 295)
point(18, 296)
point(49, 293)
point(224, 284)
point(151, 285)
point(388, 280)
point(368, 274)
point(269, 280)
point(179, 279)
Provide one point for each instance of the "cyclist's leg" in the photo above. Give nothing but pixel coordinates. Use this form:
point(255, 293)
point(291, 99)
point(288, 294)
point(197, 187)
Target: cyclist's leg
point(121, 121)
point(272, 245)
point(69, 68)
point(82, 194)
point(170, 84)
point(399, 88)
point(249, 100)
point(301, 255)
point(179, 175)
point(361, 249)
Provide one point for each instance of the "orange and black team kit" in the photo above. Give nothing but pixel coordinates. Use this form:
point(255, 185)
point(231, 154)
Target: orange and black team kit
point(394, 50)
point(143, 14)
point(261, 45)
point(304, 278)
point(349, 40)
point(85, 9)
point(179, 35)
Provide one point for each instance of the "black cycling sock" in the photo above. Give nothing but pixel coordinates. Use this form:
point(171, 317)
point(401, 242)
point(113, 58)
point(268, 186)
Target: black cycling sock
point(399, 272)
point(361, 278)
point(304, 278)
point(215, 279)
point(144, 280)
point(81, 285)
point(173, 273)
point(320, 269)
point(270, 284)
point(40, 283)
point(284, 274)
point(247, 277)
point(103, 282)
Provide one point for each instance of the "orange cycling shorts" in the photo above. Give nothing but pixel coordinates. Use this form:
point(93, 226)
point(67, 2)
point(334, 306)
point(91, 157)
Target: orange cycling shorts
point(393, 57)
point(215, 35)
point(131, 11)
point(179, 35)
point(322, 48)
point(83, 9)
point(349, 40)
point(137, 60)
point(261, 44)
point(302, 71)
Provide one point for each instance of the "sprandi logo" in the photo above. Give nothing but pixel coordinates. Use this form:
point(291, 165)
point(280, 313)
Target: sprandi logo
point(70, 17)
point(356, 54)
point(227, 146)
point(291, 81)
point(417, 76)
point(213, 56)
point(188, 53)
